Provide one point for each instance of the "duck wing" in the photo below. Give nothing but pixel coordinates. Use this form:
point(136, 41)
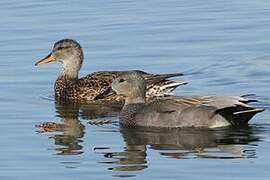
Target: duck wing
point(97, 85)
point(174, 103)
point(91, 87)
point(235, 109)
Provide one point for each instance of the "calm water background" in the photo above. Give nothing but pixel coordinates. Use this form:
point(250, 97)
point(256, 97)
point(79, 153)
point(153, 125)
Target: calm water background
point(223, 48)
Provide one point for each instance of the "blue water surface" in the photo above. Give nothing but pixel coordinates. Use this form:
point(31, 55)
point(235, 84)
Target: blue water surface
point(223, 47)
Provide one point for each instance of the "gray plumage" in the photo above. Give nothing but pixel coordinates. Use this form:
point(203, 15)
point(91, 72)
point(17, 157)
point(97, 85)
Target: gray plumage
point(179, 111)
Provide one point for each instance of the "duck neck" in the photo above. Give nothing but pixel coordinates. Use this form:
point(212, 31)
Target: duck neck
point(71, 68)
point(128, 113)
point(134, 100)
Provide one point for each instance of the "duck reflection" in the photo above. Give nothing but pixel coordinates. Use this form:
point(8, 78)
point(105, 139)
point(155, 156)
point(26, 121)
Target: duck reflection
point(69, 133)
point(141, 143)
point(226, 143)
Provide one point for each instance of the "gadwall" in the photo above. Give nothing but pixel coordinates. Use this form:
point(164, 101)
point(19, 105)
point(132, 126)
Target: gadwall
point(93, 87)
point(178, 111)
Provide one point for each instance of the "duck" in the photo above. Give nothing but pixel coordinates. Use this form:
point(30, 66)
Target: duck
point(179, 111)
point(94, 86)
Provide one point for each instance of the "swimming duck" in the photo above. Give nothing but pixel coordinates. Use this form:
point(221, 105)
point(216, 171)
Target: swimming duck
point(179, 111)
point(94, 86)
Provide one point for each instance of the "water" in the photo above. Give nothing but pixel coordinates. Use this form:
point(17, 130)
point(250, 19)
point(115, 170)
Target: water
point(221, 46)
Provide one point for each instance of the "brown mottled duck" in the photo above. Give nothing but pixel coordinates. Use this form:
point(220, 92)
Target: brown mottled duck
point(95, 86)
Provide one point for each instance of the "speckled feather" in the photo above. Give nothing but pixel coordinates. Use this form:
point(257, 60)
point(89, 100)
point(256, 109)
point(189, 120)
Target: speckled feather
point(92, 85)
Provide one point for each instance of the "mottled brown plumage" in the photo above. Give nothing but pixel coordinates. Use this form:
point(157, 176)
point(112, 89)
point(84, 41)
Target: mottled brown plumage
point(95, 87)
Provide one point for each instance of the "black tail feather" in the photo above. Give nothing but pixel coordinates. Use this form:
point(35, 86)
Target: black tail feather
point(166, 76)
point(249, 98)
point(239, 115)
point(154, 79)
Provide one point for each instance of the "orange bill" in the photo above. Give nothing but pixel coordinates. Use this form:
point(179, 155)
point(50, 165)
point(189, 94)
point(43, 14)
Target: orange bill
point(46, 60)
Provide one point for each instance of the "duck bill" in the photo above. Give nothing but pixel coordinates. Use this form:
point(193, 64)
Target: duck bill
point(46, 60)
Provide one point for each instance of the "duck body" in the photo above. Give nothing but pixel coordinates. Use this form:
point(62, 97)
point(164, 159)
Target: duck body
point(176, 112)
point(179, 111)
point(95, 86)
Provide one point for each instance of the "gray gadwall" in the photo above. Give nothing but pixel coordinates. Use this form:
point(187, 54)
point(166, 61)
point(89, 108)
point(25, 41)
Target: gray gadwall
point(179, 111)
point(93, 86)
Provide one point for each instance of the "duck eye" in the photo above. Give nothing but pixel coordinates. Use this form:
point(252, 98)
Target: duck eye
point(62, 47)
point(121, 80)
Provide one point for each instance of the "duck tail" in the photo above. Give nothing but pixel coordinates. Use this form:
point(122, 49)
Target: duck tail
point(248, 98)
point(159, 76)
point(166, 76)
point(239, 115)
point(170, 86)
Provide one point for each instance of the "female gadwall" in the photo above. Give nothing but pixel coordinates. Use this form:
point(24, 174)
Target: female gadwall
point(177, 111)
point(93, 86)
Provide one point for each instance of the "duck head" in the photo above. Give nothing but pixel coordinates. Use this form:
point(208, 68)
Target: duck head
point(131, 85)
point(69, 53)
